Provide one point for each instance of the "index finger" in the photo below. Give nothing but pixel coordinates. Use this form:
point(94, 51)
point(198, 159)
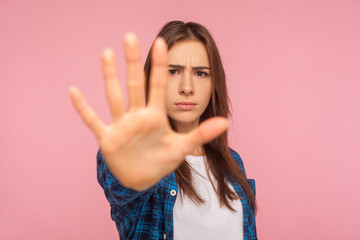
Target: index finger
point(158, 74)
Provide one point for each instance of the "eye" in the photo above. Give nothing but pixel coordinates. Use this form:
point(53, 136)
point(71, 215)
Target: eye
point(173, 71)
point(201, 74)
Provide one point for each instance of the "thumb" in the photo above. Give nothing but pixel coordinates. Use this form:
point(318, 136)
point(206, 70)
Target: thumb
point(207, 131)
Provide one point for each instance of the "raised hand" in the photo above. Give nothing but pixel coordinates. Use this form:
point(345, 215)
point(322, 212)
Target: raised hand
point(139, 146)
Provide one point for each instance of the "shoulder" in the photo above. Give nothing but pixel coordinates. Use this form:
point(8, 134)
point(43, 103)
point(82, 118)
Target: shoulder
point(240, 162)
point(238, 159)
point(235, 155)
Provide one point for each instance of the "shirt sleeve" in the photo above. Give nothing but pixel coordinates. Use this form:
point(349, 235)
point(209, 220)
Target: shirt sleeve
point(115, 192)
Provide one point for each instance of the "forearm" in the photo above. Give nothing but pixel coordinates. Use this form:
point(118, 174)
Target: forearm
point(116, 193)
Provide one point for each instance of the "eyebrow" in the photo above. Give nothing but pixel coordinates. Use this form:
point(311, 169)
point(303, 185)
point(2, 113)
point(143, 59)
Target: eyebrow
point(182, 67)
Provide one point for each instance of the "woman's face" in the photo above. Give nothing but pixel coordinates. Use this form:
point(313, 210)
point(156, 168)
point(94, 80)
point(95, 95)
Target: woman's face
point(189, 86)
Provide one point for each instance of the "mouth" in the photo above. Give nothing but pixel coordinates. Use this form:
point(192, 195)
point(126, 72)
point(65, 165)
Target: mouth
point(185, 105)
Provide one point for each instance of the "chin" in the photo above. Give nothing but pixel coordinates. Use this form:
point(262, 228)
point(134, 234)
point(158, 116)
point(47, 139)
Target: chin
point(184, 119)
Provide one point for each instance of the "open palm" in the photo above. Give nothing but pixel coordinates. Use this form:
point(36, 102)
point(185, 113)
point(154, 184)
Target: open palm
point(139, 145)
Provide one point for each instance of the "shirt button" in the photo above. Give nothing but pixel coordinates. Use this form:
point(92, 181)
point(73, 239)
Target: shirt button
point(164, 235)
point(172, 192)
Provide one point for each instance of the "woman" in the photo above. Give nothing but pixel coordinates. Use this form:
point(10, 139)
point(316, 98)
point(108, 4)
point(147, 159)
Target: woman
point(165, 165)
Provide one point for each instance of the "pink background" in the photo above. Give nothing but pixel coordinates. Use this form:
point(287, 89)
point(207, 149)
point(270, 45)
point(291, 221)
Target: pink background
point(293, 76)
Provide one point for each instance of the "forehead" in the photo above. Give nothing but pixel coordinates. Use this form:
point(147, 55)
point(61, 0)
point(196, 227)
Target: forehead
point(191, 53)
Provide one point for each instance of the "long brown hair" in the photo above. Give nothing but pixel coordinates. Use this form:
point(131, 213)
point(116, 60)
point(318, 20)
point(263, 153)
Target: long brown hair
point(219, 159)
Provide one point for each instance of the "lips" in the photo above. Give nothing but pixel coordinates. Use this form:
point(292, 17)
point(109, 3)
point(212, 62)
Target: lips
point(185, 105)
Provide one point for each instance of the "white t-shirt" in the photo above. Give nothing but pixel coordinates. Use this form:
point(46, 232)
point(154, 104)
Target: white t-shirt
point(206, 221)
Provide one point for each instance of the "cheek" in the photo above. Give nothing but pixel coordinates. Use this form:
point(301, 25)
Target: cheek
point(169, 96)
point(205, 91)
point(169, 91)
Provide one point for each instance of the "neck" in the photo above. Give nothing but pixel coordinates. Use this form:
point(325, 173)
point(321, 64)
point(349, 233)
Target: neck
point(198, 151)
point(187, 127)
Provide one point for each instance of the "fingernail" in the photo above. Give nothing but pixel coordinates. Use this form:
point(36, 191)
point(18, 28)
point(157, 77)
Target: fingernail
point(108, 53)
point(130, 38)
point(160, 40)
point(72, 88)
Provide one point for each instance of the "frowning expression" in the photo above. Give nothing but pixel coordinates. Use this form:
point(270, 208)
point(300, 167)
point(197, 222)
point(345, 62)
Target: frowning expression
point(189, 85)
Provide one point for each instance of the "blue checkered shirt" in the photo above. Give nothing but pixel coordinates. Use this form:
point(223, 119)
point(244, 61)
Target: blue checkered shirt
point(149, 214)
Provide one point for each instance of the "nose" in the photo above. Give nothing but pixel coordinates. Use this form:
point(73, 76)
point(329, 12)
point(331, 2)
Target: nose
point(186, 86)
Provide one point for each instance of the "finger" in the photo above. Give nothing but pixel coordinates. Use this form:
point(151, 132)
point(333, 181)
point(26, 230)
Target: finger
point(158, 75)
point(135, 72)
point(86, 112)
point(206, 132)
point(112, 85)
